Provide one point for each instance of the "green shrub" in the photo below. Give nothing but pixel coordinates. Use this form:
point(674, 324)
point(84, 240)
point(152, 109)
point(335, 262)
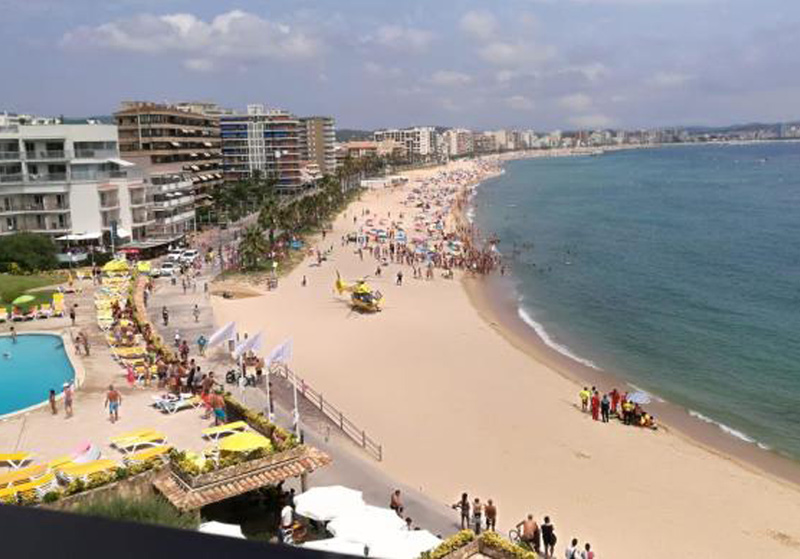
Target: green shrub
point(122, 473)
point(51, 497)
point(75, 487)
point(27, 252)
point(146, 510)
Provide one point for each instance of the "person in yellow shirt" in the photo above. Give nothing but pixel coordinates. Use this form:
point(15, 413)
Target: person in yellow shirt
point(584, 396)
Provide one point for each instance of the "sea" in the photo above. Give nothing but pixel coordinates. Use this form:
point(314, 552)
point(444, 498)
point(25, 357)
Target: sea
point(676, 268)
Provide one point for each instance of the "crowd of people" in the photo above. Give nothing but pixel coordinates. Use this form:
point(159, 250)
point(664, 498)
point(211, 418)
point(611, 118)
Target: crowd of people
point(615, 404)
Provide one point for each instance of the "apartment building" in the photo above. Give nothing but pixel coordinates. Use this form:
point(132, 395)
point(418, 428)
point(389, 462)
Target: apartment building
point(420, 142)
point(265, 141)
point(317, 135)
point(458, 142)
point(179, 150)
point(60, 180)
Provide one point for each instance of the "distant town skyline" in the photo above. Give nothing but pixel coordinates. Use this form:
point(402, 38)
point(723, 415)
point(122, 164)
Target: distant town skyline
point(540, 64)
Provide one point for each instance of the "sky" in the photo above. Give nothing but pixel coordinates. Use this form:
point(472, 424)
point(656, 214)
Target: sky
point(540, 64)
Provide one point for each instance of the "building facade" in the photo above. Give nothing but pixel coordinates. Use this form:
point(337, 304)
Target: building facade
point(459, 142)
point(317, 141)
point(62, 180)
point(179, 150)
point(420, 142)
point(262, 141)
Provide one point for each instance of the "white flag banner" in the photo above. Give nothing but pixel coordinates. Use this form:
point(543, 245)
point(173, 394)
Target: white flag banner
point(227, 332)
point(250, 344)
point(281, 354)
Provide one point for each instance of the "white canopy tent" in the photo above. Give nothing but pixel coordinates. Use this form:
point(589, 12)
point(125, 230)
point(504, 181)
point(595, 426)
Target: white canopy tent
point(337, 545)
point(403, 544)
point(368, 520)
point(222, 529)
point(326, 503)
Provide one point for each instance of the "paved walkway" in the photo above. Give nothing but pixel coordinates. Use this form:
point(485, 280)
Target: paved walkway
point(351, 466)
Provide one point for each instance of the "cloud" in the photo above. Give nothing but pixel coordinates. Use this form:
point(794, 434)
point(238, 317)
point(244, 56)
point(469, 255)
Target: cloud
point(591, 72)
point(520, 103)
point(450, 78)
point(515, 54)
point(668, 79)
point(480, 25)
point(402, 38)
point(577, 102)
point(234, 35)
point(380, 71)
point(591, 121)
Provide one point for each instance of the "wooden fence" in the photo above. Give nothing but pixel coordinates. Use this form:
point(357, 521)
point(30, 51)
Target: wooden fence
point(353, 431)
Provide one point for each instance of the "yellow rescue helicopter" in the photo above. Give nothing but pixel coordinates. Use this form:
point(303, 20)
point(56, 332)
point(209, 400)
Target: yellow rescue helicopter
point(362, 297)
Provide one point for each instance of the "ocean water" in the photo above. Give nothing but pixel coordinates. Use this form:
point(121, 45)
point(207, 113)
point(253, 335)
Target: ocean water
point(30, 368)
point(677, 268)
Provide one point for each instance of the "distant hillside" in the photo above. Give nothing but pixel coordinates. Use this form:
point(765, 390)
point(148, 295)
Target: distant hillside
point(349, 135)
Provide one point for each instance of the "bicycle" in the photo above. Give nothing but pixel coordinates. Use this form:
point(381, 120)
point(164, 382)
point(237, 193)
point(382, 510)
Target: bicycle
point(515, 538)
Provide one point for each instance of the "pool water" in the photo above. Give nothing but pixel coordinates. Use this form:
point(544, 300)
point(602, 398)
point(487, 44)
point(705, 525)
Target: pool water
point(30, 368)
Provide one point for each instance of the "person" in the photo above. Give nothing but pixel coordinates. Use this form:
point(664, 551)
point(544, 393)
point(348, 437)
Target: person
point(477, 513)
point(201, 345)
point(113, 401)
point(530, 533)
point(548, 537)
point(463, 504)
point(72, 314)
point(584, 396)
point(165, 316)
point(491, 516)
point(85, 341)
point(588, 553)
point(409, 524)
point(52, 399)
point(627, 412)
point(595, 406)
point(605, 408)
point(615, 395)
point(218, 403)
point(68, 399)
point(177, 339)
point(395, 503)
point(196, 313)
point(572, 552)
point(287, 524)
point(400, 277)
point(13, 335)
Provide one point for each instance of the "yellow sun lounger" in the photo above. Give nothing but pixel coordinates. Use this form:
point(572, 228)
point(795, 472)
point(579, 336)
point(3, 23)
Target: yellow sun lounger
point(15, 460)
point(40, 486)
point(22, 475)
point(245, 442)
point(216, 433)
point(125, 437)
point(83, 471)
point(147, 441)
point(145, 455)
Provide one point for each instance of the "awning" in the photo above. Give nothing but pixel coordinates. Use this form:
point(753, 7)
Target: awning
point(93, 236)
point(123, 233)
point(176, 144)
point(194, 167)
point(208, 144)
point(121, 162)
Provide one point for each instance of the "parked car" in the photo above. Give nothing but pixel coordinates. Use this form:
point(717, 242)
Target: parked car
point(189, 256)
point(168, 268)
point(175, 254)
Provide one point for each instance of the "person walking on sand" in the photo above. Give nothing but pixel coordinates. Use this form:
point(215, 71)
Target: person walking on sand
point(113, 402)
point(605, 408)
point(573, 551)
point(165, 316)
point(52, 399)
point(596, 406)
point(588, 553)
point(614, 400)
point(584, 396)
point(72, 314)
point(491, 516)
point(548, 537)
point(477, 514)
point(201, 345)
point(68, 399)
point(400, 277)
point(463, 505)
point(196, 313)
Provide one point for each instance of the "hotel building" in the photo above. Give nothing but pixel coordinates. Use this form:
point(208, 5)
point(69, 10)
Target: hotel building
point(317, 141)
point(420, 142)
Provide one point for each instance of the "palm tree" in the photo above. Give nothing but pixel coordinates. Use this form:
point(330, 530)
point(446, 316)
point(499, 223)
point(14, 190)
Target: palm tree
point(252, 247)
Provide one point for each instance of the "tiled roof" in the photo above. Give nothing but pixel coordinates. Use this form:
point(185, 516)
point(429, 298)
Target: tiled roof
point(184, 498)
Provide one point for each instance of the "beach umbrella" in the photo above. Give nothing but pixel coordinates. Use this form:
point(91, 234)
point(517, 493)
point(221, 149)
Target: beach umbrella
point(337, 545)
point(326, 503)
point(640, 398)
point(221, 529)
point(23, 299)
point(402, 544)
point(368, 520)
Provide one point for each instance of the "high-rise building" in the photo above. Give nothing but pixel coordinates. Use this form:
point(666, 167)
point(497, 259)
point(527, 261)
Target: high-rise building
point(67, 179)
point(262, 141)
point(179, 151)
point(317, 140)
point(419, 141)
point(459, 142)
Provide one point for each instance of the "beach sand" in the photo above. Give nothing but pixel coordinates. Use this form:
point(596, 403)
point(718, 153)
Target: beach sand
point(458, 407)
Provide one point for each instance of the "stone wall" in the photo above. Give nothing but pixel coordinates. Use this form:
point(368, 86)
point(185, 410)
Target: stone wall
point(132, 488)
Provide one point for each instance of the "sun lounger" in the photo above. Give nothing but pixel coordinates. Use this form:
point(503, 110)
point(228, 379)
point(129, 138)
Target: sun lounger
point(3, 314)
point(140, 443)
point(45, 311)
point(172, 407)
point(15, 460)
point(22, 475)
point(145, 455)
point(216, 433)
point(84, 471)
point(40, 487)
point(125, 437)
point(18, 316)
point(60, 462)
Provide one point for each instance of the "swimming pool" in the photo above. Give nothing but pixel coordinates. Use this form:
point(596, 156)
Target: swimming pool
point(30, 368)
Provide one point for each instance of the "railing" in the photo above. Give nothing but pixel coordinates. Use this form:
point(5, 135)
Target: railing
point(353, 431)
point(14, 208)
point(34, 155)
point(50, 177)
point(12, 155)
point(11, 178)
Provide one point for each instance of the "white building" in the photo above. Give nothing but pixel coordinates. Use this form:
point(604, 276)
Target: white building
point(419, 141)
point(459, 141)
point(61, 179)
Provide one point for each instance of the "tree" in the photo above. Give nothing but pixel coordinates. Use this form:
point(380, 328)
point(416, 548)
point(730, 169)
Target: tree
point(252, 247)
point(29, 251)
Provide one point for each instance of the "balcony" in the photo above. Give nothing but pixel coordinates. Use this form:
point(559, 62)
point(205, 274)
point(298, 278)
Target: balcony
point(11, 156)
point(96, 154)
point(11, 178)
point(45, 155)
point(49, 177)
point(34, 208)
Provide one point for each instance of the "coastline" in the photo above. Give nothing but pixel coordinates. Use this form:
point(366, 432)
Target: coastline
point(460, 408)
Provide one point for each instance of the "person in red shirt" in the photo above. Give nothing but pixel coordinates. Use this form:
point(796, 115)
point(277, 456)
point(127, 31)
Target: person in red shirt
point(614, 401)
point(596, 406)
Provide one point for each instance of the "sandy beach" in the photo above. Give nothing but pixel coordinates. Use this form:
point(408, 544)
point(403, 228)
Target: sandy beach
point(459, 407)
